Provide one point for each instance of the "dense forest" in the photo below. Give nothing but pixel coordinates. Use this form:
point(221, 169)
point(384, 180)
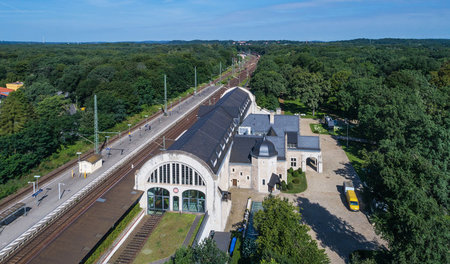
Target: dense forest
point(36, 121)
point(397, 94)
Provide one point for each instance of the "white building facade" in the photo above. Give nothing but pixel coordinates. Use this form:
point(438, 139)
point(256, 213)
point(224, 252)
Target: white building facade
point(222, 150)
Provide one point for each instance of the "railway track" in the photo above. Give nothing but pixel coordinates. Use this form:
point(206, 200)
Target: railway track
point(31, 248)
point(14, 198)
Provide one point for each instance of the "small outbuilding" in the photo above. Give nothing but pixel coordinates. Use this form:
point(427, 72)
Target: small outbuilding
point(91, 164)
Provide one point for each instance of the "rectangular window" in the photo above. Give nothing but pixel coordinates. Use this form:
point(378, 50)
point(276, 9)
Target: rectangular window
point(182, 174)
point(264, 182)
point(240, 173)
point(196, 178)
point(160, 174)
point(294, 162)
point(232, 170)
point(173, 174)
point(178, 173)
point(168, 173)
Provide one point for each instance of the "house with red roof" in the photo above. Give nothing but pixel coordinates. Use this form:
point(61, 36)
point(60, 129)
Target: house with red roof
point(4, 92)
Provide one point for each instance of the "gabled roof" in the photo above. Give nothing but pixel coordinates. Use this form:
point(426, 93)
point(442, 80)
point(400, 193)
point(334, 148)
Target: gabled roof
point(282, 123)
point(210, 137)
point(5, 91)
point(272, 132)
point(308, 142)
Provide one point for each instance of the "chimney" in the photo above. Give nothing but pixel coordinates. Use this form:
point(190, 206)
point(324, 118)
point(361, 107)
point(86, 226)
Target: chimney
point(272, 117)
point(278, 111)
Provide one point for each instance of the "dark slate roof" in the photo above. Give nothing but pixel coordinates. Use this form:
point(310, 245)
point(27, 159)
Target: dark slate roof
point(308, 142)
point(242, 146)
point(207, 136)
point(274, 179)
point(264, 148)
point(286, 123)
point(223, 240)
point(272, 132)
point(282, 123)
point(292, 138)
point(278, 142)
point(258, 123)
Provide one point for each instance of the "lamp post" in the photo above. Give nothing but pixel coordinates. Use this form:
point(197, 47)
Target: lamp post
point(37, 181)
point(78, 153)
point(59, 189)
point(34, 186)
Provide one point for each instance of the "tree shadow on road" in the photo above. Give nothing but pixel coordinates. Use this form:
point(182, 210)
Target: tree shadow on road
point(349, 173)
point(333, 232)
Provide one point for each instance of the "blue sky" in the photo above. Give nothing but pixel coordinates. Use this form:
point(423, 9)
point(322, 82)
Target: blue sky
point(138, 20)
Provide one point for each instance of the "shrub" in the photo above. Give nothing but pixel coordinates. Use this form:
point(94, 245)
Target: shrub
point(296, 174)
point(290, 186)
point(296, 180)
point(291, 170)
point(283, 186)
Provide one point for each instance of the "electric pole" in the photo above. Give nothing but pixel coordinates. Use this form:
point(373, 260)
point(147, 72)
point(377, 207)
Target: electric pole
point(95, 125)
point(165, 95)
point(195, 89)
point(220, 65)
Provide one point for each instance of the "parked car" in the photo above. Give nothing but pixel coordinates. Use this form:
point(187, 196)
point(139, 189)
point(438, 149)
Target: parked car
point(350, 194)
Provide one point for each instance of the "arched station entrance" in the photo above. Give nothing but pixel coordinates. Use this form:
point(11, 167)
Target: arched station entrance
point(158, 200)
point(194, 201)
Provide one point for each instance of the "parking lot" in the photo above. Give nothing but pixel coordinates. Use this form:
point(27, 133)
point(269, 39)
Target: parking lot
point(323, 207)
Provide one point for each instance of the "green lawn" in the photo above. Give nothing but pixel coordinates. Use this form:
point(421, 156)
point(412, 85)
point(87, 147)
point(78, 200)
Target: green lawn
point(323, 129)
point(166, 238)
point(296, 179)
point(291, 107)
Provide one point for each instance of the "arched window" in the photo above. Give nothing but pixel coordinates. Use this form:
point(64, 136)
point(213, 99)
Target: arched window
point(193, 201)
point(176, 173)
point(158, 200)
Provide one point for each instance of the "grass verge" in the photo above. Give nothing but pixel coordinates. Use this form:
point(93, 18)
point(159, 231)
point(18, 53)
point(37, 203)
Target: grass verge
point(296, 181)
point(355, 152)
point(167, 237)
point(107, 242)
point(291, 107)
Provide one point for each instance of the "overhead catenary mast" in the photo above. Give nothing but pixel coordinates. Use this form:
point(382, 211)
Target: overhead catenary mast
point(95, 125)
point(165, 95)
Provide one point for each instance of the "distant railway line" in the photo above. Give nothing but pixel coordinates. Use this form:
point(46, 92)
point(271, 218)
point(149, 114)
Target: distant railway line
point(10, 200)
point(28, 251)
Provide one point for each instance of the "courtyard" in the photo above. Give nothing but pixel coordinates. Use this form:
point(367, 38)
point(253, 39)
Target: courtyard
point(337, 229)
